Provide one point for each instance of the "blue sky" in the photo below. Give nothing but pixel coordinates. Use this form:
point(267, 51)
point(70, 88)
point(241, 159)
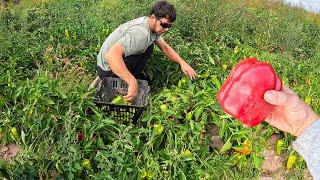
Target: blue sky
point(314, 5)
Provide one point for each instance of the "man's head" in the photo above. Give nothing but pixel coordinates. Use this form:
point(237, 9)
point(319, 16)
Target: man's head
point(162, 16)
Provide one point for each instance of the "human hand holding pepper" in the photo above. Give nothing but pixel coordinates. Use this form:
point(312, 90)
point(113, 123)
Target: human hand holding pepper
point(132, 91)
point(290, 114)
point(241, 95)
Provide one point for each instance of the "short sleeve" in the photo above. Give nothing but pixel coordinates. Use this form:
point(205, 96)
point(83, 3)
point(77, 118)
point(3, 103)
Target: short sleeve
point(134, 41)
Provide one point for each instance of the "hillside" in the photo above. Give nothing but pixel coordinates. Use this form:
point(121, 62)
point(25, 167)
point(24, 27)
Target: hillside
point(48, 55)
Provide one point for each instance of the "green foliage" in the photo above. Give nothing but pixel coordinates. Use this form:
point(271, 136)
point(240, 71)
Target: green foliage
point(46, 45)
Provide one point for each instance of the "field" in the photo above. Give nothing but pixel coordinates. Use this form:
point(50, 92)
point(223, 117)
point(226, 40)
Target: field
point(48, 56)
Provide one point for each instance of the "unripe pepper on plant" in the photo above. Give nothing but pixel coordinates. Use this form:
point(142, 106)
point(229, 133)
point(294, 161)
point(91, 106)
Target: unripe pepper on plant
point(291, 160)
point(188, 116)
point(58, 167)
point(86, 164)
point(182, 81)
point(187, 152)
point(14, 134)
point(242, 93)
point(158, 128)
point(164, 108)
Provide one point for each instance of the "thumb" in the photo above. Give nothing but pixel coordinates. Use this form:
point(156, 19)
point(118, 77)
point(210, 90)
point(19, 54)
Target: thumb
point(277, 98)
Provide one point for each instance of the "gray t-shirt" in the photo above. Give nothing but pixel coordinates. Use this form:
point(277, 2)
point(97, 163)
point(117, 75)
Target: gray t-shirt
point(134, 35)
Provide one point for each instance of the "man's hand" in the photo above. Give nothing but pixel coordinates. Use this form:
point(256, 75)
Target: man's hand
point(188, 70)
point(132, 91)
point(291, 114)
point(115, 60)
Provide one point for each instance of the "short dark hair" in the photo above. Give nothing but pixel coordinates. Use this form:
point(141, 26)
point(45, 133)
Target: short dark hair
point(163, 9)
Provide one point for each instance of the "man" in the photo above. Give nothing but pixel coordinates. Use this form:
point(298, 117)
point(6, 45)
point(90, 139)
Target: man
point(128, 48)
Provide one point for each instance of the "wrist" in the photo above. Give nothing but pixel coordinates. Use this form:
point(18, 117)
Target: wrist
point(129, 79)
point(132, 81)
point(180, 61)
point(313, 117)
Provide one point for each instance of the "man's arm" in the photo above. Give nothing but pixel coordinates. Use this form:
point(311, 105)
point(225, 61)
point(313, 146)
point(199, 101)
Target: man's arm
point(115, 60)
point(168, 50)
point(174, 56)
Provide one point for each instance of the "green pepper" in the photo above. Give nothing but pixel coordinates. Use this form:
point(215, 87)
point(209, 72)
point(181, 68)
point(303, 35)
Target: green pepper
point(86, 164)
point(158, 128)
point(120, 100)
point(164, 108)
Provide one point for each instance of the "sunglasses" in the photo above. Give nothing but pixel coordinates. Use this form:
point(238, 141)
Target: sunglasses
point(164, 25)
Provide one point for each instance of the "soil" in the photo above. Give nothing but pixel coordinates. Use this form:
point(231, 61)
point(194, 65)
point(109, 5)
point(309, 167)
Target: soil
point(7, 152)
point(274, 166)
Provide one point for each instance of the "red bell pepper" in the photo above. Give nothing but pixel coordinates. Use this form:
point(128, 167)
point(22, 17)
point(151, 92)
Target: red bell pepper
point(241, 95)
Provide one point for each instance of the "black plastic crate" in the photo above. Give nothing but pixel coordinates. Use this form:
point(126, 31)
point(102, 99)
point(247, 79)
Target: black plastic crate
point(111, 87)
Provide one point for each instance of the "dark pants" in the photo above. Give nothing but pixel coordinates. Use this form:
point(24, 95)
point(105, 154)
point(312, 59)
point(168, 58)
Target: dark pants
point(135, 64)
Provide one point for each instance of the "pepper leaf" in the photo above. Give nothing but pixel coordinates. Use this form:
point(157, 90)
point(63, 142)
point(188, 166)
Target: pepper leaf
point(191, 125)
point(198, 112)
point(227, 145)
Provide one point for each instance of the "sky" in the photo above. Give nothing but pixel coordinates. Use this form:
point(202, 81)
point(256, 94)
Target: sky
point(313, 5)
